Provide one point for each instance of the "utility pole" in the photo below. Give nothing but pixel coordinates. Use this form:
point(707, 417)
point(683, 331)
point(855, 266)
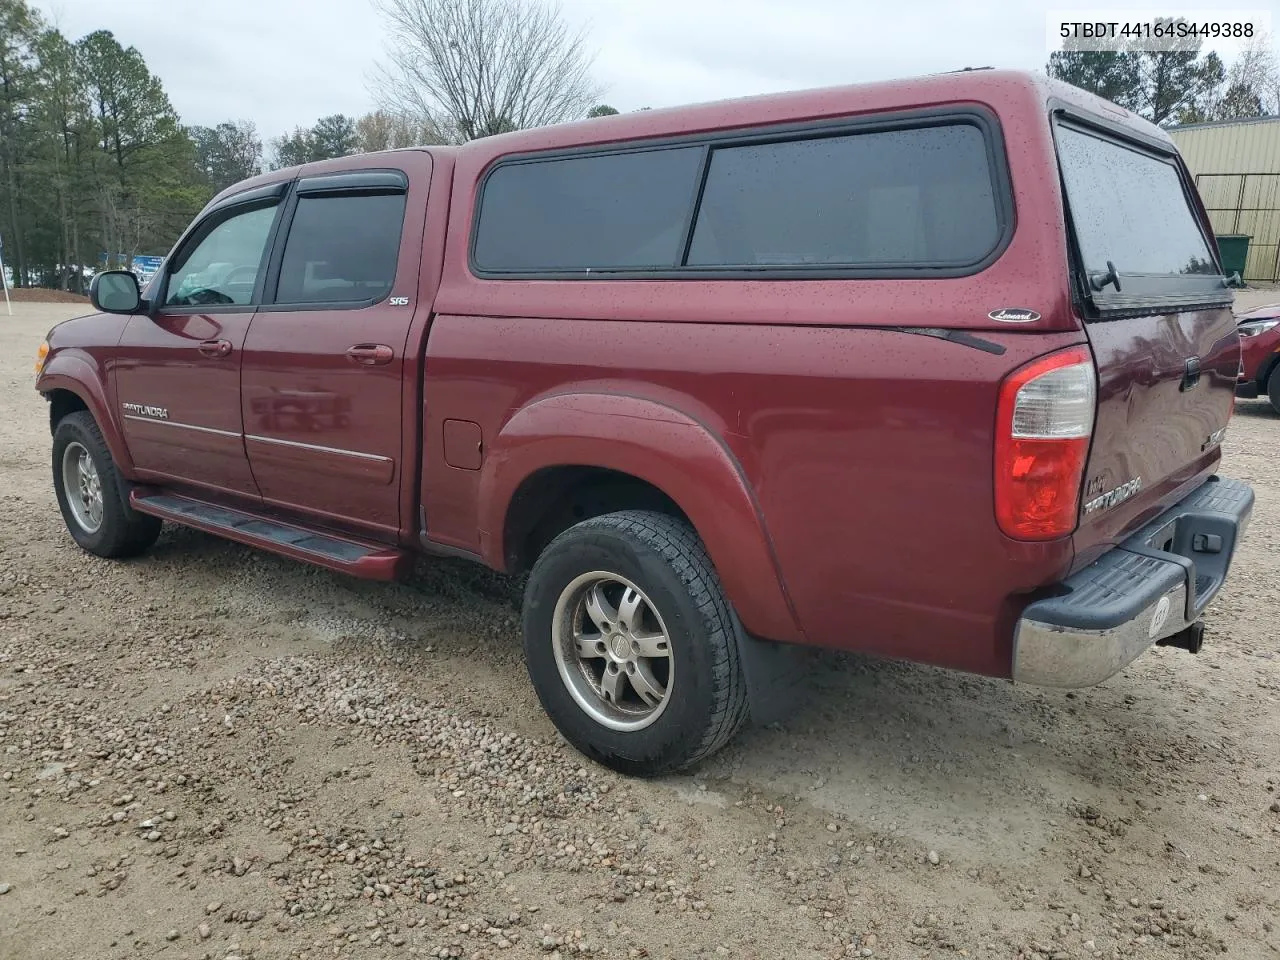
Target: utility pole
point(3, 281)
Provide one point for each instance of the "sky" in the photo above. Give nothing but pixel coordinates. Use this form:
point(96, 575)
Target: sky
point(285, 63)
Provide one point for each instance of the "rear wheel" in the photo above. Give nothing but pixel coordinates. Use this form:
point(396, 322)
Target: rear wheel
point(1273, 388)
point(630, 644)
point(89, 492)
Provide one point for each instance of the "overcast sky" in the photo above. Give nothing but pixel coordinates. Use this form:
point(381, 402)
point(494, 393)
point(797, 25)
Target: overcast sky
point(284, 63)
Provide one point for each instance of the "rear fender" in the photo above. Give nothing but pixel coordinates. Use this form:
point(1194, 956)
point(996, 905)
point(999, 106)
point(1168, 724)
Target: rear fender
point(664, 447)
point(66, 371)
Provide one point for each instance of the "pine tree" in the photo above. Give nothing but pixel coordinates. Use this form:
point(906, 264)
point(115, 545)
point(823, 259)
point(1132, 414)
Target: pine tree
point(19, 28)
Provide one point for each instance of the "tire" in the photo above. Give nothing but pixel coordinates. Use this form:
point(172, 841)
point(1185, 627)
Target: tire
point(119, 531)
point(655, 584)
point(1273, 388)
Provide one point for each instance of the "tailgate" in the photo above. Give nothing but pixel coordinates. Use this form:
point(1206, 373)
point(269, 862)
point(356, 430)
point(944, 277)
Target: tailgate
point(1157, 313)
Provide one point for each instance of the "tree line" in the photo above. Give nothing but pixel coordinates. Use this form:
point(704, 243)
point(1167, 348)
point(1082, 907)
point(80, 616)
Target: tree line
point(95, 160)
point(92, 156)
point(1179, 86)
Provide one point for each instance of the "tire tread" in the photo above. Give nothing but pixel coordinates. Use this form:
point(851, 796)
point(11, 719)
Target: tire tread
point(680, 547)
point(126, 533)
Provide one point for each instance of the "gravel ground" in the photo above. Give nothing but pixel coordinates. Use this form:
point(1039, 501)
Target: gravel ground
point(211, 752)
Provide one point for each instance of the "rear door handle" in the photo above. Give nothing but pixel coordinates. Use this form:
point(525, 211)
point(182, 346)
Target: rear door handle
point(216, 348)
point(370, 354)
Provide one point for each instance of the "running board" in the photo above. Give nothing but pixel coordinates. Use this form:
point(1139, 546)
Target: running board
point(365, 560)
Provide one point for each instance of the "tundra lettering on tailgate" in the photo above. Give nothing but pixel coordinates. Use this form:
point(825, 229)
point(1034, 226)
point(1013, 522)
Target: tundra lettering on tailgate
point(1112, 497)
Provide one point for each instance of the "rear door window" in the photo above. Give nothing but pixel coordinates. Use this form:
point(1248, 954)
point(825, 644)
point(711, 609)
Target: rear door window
point(1130, 209)
point(907, 198)
point(342, 249)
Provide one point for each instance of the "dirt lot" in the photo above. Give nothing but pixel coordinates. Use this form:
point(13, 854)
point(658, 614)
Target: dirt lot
point(211, 752)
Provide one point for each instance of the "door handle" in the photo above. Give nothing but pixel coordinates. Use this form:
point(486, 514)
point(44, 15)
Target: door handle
point(1191, 376)
point(370, 354)
point(216, 348)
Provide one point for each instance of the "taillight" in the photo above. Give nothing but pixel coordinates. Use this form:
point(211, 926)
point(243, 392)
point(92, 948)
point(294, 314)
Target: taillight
point(1043, 424)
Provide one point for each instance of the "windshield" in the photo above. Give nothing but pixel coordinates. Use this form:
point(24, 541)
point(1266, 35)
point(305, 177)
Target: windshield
point(1129, 207)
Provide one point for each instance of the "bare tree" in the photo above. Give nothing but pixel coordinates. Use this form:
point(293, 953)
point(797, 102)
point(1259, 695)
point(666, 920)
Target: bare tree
point(473, 68)
point(386, 131)
point(1257, 70)
point(1249, 88)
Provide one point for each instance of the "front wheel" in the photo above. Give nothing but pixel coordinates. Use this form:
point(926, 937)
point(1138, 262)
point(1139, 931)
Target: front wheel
point(1273, 388)
point(630, 644)
point(89, 492)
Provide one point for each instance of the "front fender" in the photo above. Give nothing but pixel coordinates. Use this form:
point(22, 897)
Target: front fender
point(66, 371)
point(666, 448)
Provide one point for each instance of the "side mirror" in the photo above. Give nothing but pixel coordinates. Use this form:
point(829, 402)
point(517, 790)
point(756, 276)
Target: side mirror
point(115, 291)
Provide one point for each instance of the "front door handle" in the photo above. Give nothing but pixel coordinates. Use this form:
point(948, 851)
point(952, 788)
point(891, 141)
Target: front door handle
point(216, 348)
point(370, 354)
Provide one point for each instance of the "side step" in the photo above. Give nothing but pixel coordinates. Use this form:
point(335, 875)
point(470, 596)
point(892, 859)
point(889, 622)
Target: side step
point(365, 560)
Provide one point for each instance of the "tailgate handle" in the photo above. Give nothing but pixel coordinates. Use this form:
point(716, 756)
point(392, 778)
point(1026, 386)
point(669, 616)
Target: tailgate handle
point(1192, 375)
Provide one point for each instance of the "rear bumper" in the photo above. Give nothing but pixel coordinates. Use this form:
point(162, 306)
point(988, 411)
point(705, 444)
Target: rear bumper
point(1151, 586)
point(1246, 389)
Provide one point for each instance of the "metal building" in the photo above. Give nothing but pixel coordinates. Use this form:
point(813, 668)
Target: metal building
point(1236, 164)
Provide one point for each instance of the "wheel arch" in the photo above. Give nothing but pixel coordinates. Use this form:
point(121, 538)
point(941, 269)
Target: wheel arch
point(1268, 369)
point(63, 402)
point(554, 498)
point(630, 452)
point(69, 384)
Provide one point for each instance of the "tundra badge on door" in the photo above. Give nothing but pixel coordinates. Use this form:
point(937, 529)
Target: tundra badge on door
point(142, 410)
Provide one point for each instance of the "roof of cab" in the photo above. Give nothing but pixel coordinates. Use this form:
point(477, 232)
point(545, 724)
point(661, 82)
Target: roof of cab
point(334, 165)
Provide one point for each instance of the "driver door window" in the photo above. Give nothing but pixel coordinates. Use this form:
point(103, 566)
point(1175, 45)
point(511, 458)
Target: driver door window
point(221, 268)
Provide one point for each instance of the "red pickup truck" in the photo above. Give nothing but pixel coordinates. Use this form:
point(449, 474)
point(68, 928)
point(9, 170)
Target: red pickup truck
point(934, 369)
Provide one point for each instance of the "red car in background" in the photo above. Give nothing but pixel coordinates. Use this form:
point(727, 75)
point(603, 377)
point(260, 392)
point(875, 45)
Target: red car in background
point(1260, 354)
